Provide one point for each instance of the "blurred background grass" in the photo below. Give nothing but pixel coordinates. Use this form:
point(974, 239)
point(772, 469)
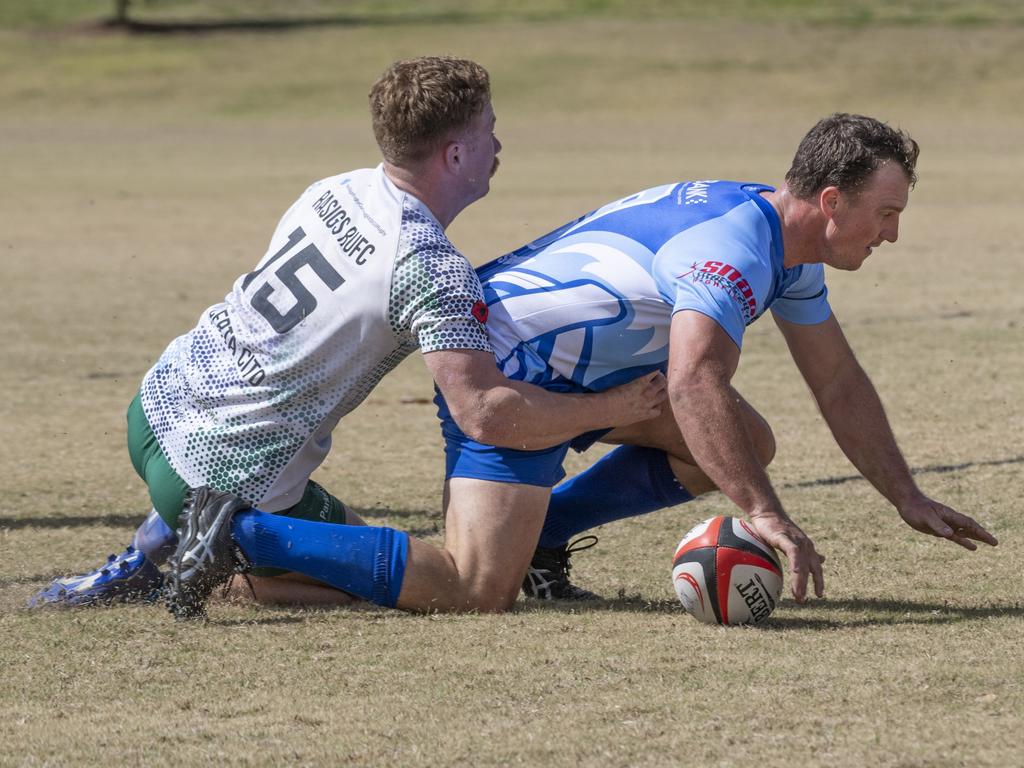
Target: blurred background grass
point(144, 172)
point(30, 13)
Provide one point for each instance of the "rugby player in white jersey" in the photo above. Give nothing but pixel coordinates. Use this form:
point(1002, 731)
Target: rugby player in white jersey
point(358, 274)
point(664, 280)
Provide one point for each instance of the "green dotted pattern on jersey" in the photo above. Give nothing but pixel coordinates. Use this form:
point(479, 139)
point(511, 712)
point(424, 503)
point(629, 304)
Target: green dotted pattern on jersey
point(219, 429)
point(434, 290)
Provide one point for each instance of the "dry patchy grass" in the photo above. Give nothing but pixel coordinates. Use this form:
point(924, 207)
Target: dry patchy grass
point(143, 175)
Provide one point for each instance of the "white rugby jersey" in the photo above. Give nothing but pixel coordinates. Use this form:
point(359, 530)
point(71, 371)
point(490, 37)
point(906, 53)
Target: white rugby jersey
point(357, 275)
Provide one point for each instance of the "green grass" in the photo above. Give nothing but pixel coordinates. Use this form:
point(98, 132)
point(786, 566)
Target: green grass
point(28, 13)
point(144, 173)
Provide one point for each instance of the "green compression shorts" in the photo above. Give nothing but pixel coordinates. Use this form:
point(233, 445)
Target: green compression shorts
point(167, 490)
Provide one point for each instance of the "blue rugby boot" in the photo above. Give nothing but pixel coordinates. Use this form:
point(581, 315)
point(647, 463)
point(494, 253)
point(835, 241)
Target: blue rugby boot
point(125, 578)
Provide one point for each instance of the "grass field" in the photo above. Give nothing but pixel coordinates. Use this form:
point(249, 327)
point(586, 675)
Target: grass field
point(144, 172)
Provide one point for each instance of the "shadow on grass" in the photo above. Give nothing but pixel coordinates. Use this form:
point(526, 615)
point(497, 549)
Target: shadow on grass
point(37, 579)
point(867, 612)
point(862, 612)
point(848, 613)
point(71, 521)
point(822, 615)
point(931, 469)
point(261, 620)
point(281, 23)
point(371, 514)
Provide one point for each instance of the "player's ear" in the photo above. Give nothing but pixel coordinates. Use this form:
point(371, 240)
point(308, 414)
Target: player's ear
point(453, 153)
point(828, 201)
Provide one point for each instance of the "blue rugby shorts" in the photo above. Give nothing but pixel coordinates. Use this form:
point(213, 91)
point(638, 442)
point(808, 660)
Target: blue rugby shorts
point(465, 457)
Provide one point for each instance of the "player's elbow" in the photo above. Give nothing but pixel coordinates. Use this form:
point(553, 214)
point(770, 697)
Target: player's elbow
point(497, 431)
point(481, 420)
point(691, 390)
point(472, 424)
point(699, 397)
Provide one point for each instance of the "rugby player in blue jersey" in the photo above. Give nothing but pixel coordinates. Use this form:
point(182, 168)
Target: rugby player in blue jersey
point(664, 280)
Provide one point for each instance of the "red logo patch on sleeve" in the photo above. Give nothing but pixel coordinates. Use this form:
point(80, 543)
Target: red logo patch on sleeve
point(731, 280)
point(480, 312)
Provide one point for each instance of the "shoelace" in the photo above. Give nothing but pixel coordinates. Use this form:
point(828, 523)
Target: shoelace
point(578, 545)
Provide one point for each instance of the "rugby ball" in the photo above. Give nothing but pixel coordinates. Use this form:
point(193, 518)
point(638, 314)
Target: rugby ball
point(724, 573)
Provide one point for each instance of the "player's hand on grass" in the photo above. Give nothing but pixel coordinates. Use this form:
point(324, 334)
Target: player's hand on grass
point(928, 516)
point(782, 533)
point(637, 400)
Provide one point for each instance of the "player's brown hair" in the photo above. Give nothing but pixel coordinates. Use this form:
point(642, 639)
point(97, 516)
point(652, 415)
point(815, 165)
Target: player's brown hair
point(843, 150)
point(417, 103)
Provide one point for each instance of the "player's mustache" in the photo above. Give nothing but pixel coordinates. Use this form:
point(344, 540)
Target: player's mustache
point(494, 168)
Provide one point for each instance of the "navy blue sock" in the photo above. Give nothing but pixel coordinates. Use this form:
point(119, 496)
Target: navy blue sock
point(365, 561)
point(628, 481)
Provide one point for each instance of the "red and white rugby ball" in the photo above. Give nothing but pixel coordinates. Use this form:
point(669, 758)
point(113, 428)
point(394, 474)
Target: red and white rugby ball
point(724, 573)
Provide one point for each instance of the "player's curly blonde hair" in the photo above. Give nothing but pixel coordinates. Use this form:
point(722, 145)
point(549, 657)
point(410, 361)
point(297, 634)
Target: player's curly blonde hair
point(417, 103)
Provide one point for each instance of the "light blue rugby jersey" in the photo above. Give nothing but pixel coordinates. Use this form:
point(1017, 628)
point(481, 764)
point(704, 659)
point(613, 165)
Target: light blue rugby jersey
point(589, 305)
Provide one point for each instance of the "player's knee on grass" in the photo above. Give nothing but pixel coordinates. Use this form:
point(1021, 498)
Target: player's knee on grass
point(483, 590)
point(491, 531)
point(492, 595)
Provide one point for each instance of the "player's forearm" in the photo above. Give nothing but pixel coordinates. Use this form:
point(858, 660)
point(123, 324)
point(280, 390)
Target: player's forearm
point(494, 410)
point(711, 422)
point(526, 417)
point(854, 412)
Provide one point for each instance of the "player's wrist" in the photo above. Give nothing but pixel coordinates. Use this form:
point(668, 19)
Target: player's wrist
point(907, 498)
point(605, 409)
point(768, 512)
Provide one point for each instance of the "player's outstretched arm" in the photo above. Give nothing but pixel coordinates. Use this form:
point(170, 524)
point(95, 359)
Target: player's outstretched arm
point(854, 412)
point(702, 361)
point(492, 409)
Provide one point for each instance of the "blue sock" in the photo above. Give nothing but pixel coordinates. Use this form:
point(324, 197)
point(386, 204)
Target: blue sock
point(628, 481)
point(365, 561)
